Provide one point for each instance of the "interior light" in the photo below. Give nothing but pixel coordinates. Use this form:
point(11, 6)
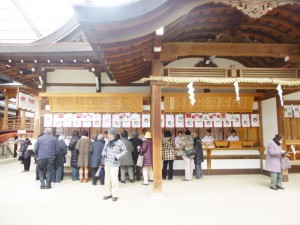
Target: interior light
point(9, 60)
point(61, 60)
point(160, 31)
point(87, 60)
point(21, 60)
point(35, 61)
point(33, 69)
point(48, 60)
point(75, 60)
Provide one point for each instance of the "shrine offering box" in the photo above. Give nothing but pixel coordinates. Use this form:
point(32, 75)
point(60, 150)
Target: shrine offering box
point(221, 144)
point(248, 143)
point(235, 144)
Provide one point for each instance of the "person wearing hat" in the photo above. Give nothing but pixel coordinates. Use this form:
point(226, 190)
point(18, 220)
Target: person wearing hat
point(46, 148)
point(146, 151)
point(114, 150)
point(136, 142)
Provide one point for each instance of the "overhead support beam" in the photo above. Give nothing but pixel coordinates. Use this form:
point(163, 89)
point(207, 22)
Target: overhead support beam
point(99, 55)
point(157, 42)
point(172, 51)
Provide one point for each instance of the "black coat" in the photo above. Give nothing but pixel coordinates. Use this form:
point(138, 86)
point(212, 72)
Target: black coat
point(96, 152)
point(135, 142)
point(199, 156)
point(74, 151)
point(62, 151)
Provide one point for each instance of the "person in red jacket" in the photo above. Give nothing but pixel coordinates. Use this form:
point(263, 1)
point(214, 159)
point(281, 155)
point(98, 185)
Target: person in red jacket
point(146, 151)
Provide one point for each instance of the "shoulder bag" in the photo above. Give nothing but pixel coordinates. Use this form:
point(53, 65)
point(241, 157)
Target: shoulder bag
point(285, 163)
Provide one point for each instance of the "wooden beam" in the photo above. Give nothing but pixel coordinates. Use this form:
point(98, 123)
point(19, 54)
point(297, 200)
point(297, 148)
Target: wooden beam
point(171, 51)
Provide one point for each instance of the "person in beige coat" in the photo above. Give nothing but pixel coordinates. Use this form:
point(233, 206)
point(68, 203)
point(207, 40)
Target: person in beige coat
point(83, 145)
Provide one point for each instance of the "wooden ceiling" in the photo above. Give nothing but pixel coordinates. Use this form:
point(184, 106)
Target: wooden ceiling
point(122, 43)
point(122, 39)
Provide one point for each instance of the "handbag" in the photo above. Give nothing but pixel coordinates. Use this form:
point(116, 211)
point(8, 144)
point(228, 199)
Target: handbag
point(285, 163)
point(140, 161)
point(190, 153)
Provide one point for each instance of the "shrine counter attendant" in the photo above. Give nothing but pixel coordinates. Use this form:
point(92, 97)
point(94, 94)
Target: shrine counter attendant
point(233, 136)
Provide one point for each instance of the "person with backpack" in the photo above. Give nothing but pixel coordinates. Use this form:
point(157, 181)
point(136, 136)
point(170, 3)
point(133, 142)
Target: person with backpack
point(188, 160)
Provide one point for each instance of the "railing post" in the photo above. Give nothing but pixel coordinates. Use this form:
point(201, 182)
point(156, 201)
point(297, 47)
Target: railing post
point(5, 116)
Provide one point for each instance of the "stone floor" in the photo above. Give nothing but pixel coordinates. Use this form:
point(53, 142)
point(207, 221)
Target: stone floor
point(219, 200)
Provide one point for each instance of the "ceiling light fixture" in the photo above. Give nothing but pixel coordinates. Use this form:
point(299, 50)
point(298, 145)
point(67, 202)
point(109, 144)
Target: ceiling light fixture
point(21, 60)
point(61, 60)
point(35, 61)
point(9, 60)
point(87, 60)
point(33, 69)
point(75, 60)
point(157, 49)
point(287, 58)
point(48, 61)
point(160, 31)
point(41, 80)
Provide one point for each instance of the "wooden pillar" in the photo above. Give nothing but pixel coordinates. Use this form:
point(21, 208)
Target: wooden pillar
point(37, 117)
point(23, 119)
point(156, 137)
point(157, 70)
point(280, 116)
point(5, 116)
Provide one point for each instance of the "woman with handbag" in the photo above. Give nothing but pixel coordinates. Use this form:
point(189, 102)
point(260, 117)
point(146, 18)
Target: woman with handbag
point(273, 163)
point(146, 151)
point(188, 156)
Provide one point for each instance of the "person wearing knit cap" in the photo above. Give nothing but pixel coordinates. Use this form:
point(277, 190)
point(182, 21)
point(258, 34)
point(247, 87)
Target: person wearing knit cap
point(113, 151)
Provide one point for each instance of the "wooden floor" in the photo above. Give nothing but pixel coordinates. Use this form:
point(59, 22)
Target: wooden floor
point(218, 200)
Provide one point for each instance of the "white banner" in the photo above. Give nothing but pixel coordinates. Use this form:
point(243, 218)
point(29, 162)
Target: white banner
point(170, 121)
point(179, 120)
point(188, 120)
point(254, 120)
point(48, 120)
point(146, 120)
point(106, 120)
point(126, 122)
point(116, 121)
point(245, 120)
point(135, 120)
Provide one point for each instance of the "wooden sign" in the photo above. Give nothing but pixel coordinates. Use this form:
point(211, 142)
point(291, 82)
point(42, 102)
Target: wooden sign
point(208, 104)
point(96, 104)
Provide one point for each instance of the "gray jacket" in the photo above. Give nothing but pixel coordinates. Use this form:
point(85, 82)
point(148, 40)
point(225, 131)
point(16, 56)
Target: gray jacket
point(127, 159)
point(113, 152)
point(46, 147)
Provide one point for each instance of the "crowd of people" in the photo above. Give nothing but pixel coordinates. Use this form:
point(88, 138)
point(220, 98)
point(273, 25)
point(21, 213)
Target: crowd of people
point(110, 155)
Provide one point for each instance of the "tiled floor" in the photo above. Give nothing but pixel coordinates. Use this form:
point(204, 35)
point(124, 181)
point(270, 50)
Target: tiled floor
point(219, 200)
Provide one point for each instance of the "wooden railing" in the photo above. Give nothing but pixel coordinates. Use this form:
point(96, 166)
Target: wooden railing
point(243, 72)
point(14, 123)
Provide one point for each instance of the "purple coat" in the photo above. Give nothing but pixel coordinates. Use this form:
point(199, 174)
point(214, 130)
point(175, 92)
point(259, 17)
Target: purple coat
point(273, 163)
point(146, 150)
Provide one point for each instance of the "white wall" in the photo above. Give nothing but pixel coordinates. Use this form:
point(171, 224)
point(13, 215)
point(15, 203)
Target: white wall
point(294, 96)
point(71, 76)
point(190, 62)
point(269, 120)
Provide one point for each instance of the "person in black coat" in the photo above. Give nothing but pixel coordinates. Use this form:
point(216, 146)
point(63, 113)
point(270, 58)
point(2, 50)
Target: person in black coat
point(26, 154)
point(96, 152)
point(136, 142)
point(199, 156)
point(74, 155)
point(60, 158)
